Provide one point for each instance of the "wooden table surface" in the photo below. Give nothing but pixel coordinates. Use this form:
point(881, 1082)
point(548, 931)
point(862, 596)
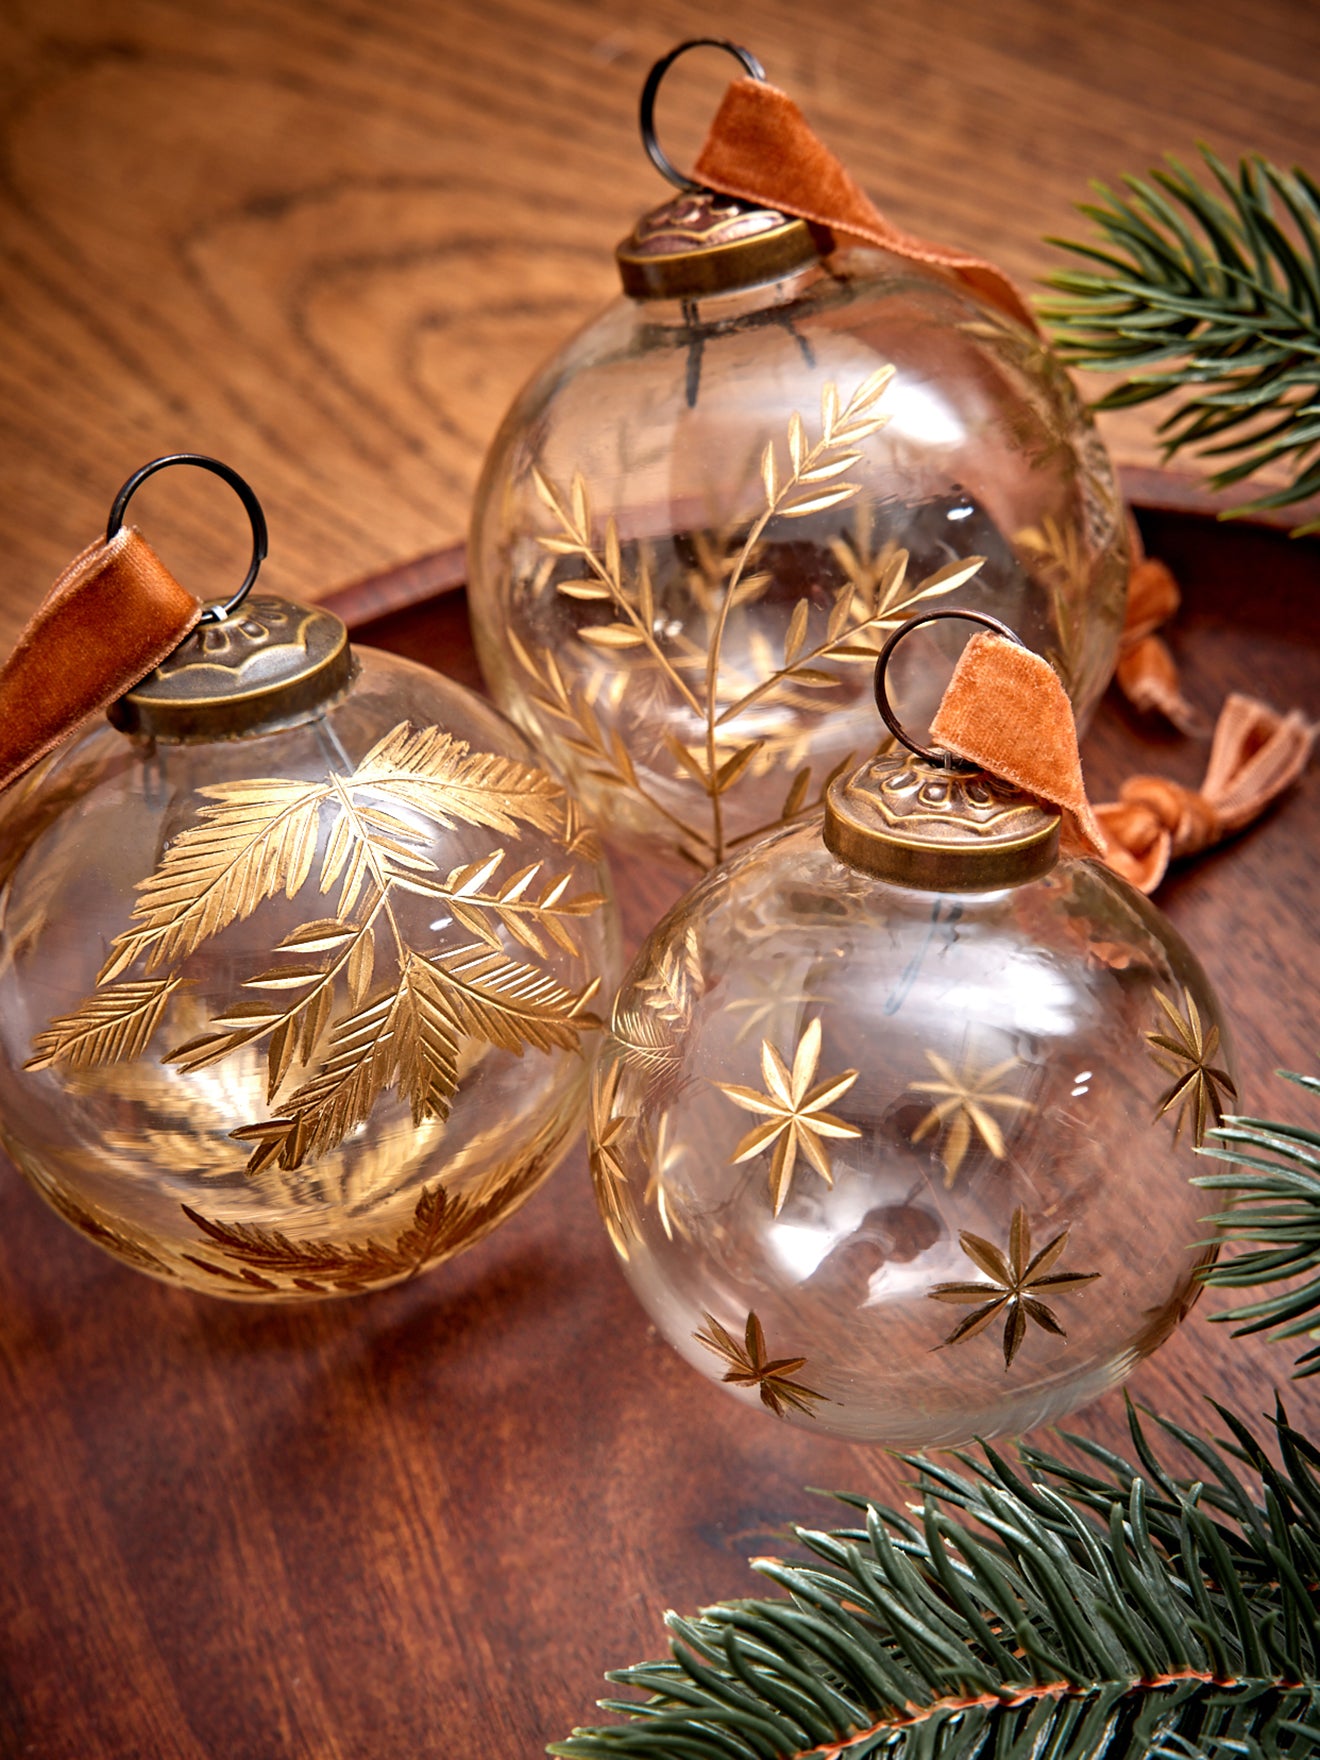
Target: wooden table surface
point(327, 241)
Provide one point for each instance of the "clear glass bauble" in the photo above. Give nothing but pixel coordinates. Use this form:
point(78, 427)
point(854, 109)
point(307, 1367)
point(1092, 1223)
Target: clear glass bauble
point(299, 1014)
point(909, 1167)
point(627, 529)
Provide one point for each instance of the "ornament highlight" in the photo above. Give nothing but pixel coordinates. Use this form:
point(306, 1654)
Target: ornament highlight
point(297, 979)
point(700, 520)
point(893, 1126)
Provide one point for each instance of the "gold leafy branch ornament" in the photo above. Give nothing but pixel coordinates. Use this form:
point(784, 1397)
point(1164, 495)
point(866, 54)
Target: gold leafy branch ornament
point(872, 598)
point(372, 829)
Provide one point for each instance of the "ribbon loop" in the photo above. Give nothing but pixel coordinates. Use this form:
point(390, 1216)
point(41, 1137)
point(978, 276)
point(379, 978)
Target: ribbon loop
point(762, 149)
point(1005, 710)
point(113, 615)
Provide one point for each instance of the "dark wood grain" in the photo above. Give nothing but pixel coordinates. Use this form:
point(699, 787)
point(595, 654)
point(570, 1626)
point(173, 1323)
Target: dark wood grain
point(426, 1521)
point(327, 240)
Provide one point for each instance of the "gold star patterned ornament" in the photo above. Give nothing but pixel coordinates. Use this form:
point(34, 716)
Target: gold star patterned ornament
point(749, 1366)
point(1185, 1052)
point(1017, 1283)
point(964, 1102)
point(794, 1109)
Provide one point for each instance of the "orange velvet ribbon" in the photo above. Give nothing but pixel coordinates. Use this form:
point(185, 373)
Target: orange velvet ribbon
point(762, 149)
point(113, 615)
point(1146, 672)
point(1005, 710)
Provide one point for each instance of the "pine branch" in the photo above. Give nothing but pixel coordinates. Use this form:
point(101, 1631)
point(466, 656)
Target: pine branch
point(1276, 1205)
point(1212, 295)
point(1101, 1610)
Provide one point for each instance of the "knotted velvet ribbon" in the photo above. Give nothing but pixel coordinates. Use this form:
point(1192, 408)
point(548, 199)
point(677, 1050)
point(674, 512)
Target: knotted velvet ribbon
point(762, 149)
point(113, 615)
point(1005, 710)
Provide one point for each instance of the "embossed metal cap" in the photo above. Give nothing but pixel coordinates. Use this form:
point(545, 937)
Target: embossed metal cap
point(268, 665)
point(702, 243)
point(917, 823)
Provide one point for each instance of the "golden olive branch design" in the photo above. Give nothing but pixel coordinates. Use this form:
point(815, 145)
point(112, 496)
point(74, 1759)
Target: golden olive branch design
point(822, 463)
point(259, 837)
point(810, 485)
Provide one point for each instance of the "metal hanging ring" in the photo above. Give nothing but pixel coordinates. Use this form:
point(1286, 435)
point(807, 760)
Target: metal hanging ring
point(932, 754)
point(219, 609)
point(655, 152)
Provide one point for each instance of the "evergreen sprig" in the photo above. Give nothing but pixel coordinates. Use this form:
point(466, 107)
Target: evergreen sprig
point(1214, 294)
point(1276, 1204)
point(1106, 1610)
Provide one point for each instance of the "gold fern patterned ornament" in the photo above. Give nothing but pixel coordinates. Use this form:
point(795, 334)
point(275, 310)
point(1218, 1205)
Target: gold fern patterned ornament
point(303, 1007)
point(701, 519)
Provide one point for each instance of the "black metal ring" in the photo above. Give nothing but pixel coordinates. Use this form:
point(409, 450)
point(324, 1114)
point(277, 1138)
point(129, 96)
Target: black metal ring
point(886, 708)
point(219, 609)
point(655, 152)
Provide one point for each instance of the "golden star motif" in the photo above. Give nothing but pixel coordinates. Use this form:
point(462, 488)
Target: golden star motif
point(966, 1096)
point(750, 1367)
point(1017, 1284)
point(795, 1113)
point(1185, 1054)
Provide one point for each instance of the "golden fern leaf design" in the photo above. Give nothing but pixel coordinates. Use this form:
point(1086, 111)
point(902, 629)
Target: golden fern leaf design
point(296, 1031)
point(511, 1004)
point(647, 1040)
point(256, 838)
point(259, 839)
point(315, 1266)
point(440, 1226)
point(428, 1037)
point(361, 1064)
point(113, 1025)
point(435, 774)
point(98, 1228)
point(515, 903)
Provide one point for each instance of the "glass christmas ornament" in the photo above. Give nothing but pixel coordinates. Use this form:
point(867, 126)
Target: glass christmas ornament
point(297, 962)
point(893, 1124)
point(699, 520)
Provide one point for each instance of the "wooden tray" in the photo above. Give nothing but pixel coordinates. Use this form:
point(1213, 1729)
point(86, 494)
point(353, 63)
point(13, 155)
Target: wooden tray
point(424, 1522)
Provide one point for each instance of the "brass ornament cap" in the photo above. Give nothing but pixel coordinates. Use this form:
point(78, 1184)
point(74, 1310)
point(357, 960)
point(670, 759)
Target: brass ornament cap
point(917, 824)
point(703, 243)
point(271, 664)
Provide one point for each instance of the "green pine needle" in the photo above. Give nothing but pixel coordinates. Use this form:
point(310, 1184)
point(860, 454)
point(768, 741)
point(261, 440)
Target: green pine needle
point(1276, 1205)
point(1212, 295)
point(1042, 1610)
